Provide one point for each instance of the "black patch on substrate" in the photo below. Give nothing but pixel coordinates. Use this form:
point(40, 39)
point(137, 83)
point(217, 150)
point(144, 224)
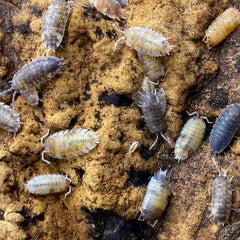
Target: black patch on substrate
point(139, 178)
point(118, 100)
point(110, 226)
point(146, 153)
point(80, 173)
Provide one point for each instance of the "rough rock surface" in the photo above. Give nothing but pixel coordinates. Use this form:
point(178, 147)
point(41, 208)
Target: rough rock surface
point(93, 90)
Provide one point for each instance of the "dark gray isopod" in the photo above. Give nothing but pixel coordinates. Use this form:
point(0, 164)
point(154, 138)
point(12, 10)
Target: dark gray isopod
point(154, 106)
point(225, 128)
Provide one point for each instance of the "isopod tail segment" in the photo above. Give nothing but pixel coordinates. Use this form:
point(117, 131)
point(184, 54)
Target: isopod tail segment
point(44, 151)
point(70, 188)
point(140, 218)
point(121, 38)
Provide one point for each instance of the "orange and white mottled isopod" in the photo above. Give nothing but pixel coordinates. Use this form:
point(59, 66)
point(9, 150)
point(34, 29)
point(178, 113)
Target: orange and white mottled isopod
point(222, 26)
point(145, 41)
point(9, 118)
point(31, 96)
point(111, 8)
point(69, 143)
point(153, 67)
point(156, 198)
point(54, 23)
point(221, 201)
point(190, 137)
point(48, 184)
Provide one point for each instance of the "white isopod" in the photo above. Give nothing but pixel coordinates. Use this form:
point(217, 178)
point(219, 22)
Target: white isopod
point(145, 41)
point(49, 183)
point(69, 143)
point(156, 198)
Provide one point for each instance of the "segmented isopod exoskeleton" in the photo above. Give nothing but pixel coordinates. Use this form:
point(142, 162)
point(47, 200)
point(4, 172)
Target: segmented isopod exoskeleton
point(31, 96)
point(69, 143)
point(153, 67)
point(156, 198)
point(145, 41)
point(49, 183)
point(54, 23)
point(154, 106)
point(222, 26)
point(221, 201)
point(9, 118)
point(111, 8)
point(225, 128)
point(190, 137)
point(33, 73)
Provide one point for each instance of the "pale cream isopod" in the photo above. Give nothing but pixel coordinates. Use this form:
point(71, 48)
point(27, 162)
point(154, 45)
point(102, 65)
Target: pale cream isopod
point(156, 198)
point(69, 143)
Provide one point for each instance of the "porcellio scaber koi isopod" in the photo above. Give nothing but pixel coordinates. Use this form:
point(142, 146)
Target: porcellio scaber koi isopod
point(49, 183)
point(145, 41)
point(154, 106)
point(222, 26)
point(69, 143)
point(9, 118)
point(225, 128)
point(33, 73)
point(111, 8)
point(156, 198)
point(221, 201)
point(190, 136)
point(153, 67)
point(54, 23)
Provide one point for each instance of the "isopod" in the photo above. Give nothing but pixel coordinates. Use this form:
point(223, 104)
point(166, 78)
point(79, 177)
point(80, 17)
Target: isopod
point(145, 41)
point(221, 201)
point(222, 26)
point(31, 96)
point(33, 73)
point(133, 147)
point(225, 128)
point(154, 106)
point(190, 137)
point(69, 143)
point(153, 67)
point(111, 8)
point(48, 184)
point(54, 23)
point(156, 198)
point(9, 118)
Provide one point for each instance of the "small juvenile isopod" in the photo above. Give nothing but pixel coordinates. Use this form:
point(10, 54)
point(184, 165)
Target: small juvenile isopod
point(221, 201)
point(69, 143)
point(33, 73)
point(133, 147)
point(9, 118)
point(54, 23)
point(225, 128)
point(154, 106)
point(31, 96)
point(145, 41)
point(153, 67)
point(222, 26)
point(49, 183)
point(111, 8)
point(156, 198)
point(190, 137)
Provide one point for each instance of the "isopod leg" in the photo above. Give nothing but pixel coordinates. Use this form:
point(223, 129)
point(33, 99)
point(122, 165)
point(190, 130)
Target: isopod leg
point(207, 120)
point(13, 99)
point(166, 139)
point(193, 113)
point(115, 46)
point(67, 178)
point(152, 224)
point(214, 161)
point(140, 218)
point(6, 91)
point(44, 137)
point(83, 5)
point(46, 161)
point(154, 143)
point(69, 191)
